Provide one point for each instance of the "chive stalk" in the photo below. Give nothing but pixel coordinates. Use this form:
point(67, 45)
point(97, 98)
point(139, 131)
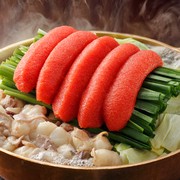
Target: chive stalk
point(167, 72)
point(148, 107)
point(150, 95)
point(8, 83)
point(142, 117)
point(23, 96)
point(132, 133)
point(166, 89)
point(135, 126)
point(155, 77)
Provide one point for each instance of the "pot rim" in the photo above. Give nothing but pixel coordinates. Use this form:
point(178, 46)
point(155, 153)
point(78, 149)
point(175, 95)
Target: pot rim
point(90, 168)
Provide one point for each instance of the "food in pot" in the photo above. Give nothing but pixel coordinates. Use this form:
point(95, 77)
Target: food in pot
point(114, 98)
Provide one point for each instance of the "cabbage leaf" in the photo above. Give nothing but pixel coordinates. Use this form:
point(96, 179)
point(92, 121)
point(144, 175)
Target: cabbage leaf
point(132, 41)
point(167, 134)
point(132, 155)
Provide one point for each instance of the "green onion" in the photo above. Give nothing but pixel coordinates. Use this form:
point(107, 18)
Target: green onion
point(39, 35)
point(147, 106)
point(135, 126)
point(132, 133)
point(167, 72)
point(158, 78)
point(23, 96)
point(148, 129)
point(127, 140)
point(165, 89)
point(6, 72)
point(12, 63)
point(141, 116)
point(175, 85)
point(8, 83)
point(150, 95)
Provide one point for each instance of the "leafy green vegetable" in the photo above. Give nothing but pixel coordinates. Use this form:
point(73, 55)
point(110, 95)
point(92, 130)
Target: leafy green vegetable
point(133, 41)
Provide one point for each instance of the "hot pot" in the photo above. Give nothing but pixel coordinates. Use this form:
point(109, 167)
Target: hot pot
point(15, 167)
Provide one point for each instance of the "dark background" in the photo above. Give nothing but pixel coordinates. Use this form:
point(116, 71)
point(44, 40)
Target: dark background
point(158, 19)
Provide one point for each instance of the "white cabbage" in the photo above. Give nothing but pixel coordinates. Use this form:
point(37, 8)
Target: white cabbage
point(132, 155)
point(167, 135)
point(173, 106)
